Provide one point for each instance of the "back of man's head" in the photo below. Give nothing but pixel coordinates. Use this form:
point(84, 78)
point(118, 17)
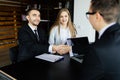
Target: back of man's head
point(109, 9)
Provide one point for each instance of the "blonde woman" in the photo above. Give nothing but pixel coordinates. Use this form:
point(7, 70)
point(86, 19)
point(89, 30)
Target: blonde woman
point(62, 29)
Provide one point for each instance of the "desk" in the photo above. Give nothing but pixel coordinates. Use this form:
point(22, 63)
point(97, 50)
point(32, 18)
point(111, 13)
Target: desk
point(36, 69)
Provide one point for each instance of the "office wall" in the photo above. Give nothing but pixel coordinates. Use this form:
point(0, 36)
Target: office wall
point(82, 24)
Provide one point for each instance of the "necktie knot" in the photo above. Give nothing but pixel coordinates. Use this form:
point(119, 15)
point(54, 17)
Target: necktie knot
point(35, 30)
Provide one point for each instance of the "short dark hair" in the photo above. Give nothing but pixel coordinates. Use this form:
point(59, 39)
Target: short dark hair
point(29, 10)
point(109, 9)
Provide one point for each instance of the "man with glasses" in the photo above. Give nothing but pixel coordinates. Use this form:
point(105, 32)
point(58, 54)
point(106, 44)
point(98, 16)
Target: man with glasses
point(102, 61)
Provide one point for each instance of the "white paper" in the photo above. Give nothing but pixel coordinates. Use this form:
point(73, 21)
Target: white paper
point(49, 57)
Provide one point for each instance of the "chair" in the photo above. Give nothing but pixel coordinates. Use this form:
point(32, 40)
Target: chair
point(13, 52)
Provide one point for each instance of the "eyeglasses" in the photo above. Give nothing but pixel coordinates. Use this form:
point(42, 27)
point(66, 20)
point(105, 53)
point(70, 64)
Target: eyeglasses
point(89, 13)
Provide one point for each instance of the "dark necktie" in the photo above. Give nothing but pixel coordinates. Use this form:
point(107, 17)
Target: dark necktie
point(96, 36)
point(36, 34)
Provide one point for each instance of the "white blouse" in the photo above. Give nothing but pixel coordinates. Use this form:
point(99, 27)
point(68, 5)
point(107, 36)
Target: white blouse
point(56, 38)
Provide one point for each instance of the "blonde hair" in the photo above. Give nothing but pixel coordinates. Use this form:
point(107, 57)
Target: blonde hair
point(69, 24)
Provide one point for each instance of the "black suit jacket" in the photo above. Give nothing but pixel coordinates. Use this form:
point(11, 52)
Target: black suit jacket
point(29, 46)
point(102, 59)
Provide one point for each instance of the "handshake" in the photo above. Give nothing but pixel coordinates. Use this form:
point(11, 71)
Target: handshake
point(61, 49)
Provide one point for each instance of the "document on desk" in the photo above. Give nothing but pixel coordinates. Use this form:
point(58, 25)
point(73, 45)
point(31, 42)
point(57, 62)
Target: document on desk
point(49, 57)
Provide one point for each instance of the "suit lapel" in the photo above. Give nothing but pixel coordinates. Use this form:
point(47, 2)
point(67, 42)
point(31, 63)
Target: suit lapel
point(29, 30)
point(41, 33)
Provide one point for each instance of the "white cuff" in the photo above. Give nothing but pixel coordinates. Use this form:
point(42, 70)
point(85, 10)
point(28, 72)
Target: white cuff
point(70, 52)
point(50, 48)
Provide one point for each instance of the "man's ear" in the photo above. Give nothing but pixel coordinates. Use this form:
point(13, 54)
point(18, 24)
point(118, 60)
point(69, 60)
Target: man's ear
point(27, 17)
point(98, 16)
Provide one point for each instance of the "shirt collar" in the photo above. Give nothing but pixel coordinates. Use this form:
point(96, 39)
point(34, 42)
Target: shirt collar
point(32, 27)
point(105, 28)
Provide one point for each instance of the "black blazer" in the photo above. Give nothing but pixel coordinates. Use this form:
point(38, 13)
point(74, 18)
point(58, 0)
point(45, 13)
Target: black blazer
point(102, 59)
point(28, 44)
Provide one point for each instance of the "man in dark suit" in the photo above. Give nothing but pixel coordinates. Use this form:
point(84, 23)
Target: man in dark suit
point(102, 61)
point(32, 39)
point(102, 58)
